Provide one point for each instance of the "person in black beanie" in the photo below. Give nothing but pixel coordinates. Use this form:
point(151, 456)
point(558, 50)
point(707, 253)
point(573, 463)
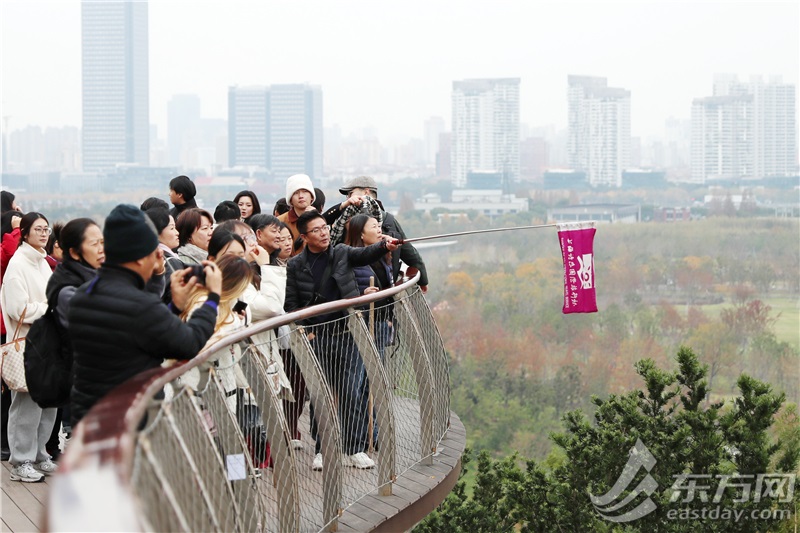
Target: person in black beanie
point(181, 193)
point(118, 328)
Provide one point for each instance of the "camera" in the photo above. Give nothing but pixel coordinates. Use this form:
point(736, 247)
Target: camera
point(198, 272)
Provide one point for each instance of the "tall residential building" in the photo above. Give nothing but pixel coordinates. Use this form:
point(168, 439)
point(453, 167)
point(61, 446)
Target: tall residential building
point(721, 138)
point(116, 116)
point(278, 127)
point(745, 130)
point(485, 134)
point(599, 125)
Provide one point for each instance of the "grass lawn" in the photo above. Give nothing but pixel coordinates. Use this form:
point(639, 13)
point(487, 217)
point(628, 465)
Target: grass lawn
point(787, 328)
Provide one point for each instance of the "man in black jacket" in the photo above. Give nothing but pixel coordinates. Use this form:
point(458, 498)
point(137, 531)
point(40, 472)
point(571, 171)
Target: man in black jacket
point(324, 273)
point(181, 193)
point(355, 189)
point(118, 329)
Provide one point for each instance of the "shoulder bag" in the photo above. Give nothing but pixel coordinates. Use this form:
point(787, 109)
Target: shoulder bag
point(12, 368)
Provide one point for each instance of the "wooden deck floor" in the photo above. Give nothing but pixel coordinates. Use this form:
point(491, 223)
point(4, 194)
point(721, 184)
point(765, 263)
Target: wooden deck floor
point(416, 492)
point(23, 504)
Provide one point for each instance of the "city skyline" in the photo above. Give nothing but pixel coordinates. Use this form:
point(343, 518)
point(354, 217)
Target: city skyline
point(392, 69)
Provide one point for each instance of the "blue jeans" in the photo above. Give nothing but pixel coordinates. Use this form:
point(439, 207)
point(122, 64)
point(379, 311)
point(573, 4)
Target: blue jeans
point(344, 371)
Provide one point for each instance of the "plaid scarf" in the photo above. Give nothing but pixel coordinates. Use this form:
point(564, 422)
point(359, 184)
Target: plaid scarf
point(369, 206)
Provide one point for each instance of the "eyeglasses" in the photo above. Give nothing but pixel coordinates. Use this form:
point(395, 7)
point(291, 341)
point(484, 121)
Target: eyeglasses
point(46, 230)
point(317, 231)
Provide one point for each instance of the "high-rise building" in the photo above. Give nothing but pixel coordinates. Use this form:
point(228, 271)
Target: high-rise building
point(721, 131)
point(485, 134)
point(116, 116)
point(277, 127)
point(745, 130)
point(599, 127)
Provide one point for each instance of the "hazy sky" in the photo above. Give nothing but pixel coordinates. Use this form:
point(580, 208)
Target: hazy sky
point(390, 65)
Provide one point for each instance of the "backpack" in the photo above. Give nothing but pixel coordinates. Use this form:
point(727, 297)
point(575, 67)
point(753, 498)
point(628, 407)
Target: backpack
point(48, 361)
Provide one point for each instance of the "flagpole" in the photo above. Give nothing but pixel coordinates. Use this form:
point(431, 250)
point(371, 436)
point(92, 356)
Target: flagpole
point(473, 232)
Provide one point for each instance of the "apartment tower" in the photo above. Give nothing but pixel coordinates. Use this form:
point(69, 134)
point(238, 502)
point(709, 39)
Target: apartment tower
point(116, 116)
point(485, 136)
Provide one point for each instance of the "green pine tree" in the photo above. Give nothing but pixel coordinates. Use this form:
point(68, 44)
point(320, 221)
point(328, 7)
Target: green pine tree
point(685, 433)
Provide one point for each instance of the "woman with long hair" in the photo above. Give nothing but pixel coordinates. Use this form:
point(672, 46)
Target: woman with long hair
point(8, 202)
point(236, 276)
point(364, 230)
point(195, 227)
point(264, 297)
point(24, 299)
point(248, 204)
point(83, 252)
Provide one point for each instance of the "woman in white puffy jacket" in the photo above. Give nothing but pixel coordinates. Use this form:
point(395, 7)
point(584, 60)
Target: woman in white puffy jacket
point(23, 300)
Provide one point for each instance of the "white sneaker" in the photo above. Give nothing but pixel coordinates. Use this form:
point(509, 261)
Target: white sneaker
point(46, 467)
point(296, 444)
point(359, 460)
point(317, 464)
point(26, 473)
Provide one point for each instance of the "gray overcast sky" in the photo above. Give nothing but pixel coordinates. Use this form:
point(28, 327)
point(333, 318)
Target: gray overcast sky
point(391, 64)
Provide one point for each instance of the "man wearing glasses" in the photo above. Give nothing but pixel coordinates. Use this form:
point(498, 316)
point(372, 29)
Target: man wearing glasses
point(324, 273)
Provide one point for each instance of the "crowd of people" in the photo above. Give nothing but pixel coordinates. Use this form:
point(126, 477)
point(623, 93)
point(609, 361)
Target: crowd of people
point(162, 281)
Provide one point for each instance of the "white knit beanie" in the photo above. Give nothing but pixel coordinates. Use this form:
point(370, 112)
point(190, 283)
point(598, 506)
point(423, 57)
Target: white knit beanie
point(297, 182)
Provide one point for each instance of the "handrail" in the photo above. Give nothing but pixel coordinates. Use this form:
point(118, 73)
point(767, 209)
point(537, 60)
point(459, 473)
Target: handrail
point(97, 428)
point(111, 436)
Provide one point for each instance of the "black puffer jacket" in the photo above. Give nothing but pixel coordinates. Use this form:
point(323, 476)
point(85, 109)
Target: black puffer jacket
point(118, 330)
point(68, 274)
point(300, 279)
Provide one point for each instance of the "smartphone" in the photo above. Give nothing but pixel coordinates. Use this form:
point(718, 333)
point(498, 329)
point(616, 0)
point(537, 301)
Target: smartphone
point(240, 307)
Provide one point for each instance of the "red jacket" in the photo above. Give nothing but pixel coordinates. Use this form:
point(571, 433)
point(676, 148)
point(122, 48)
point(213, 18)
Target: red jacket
point(7, 248)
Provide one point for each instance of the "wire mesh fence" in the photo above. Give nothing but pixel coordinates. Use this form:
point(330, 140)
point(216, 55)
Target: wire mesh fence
point(323, 413)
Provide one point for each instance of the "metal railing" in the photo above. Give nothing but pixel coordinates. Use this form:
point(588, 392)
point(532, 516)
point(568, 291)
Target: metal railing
point(230, 446)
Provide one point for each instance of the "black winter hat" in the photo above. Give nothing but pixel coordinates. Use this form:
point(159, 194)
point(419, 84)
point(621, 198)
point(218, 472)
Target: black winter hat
point(183, 185)
point(129, 235)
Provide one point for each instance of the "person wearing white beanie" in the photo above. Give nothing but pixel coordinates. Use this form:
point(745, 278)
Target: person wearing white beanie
point(299, 195)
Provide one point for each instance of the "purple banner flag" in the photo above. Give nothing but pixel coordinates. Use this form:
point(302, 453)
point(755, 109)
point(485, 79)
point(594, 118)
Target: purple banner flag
point(577, 241)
